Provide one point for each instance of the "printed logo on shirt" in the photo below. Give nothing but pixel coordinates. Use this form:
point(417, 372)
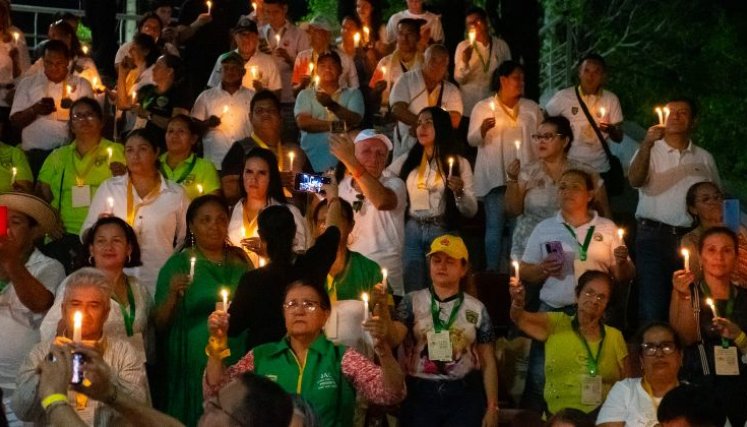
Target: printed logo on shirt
point(326, 381)
point(598, 237)
point(162, 101)
point(100, 160)
point(273, 378)
point(190, 179)
point(574, 110)
point(471, 316)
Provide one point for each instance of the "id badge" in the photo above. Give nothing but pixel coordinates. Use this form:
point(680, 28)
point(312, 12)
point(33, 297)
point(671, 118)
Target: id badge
point(439, 346)
point(420, 200)
point(81, 196)
point(727, 361)
point(591, 390)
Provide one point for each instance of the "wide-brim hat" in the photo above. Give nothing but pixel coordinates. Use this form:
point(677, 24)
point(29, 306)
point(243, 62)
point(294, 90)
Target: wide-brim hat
point(32, 206)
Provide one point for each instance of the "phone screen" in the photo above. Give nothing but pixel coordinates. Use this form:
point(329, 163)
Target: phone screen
point(310, 183)
point(78, 360)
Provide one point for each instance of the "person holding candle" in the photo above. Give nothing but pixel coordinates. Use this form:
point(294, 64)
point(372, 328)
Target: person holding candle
point(330, 376)
point(665, 166)
point(374, 30)
point(150, 24)
point(182, 301)
point(14, 61)
point(634, 401)
point(88, 293)
point(713, 334)
point(133, 72)
point(431, 32)
point(181, 165)
point(15, 172)
point(151, 205)
point(437, 199)
point(495, 124)
point(319, 107)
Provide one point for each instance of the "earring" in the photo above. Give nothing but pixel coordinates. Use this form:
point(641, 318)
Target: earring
point(129, 259)
point(191, 239)
point(90, 261)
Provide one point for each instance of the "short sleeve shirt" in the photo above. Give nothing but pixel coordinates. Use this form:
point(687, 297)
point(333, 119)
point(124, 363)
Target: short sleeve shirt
point(196, 175)
point(260, 63)
point(12, 157)
point(628, 403)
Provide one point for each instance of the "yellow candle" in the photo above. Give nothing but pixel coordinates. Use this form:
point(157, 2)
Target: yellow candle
point(209, 6)
point(357, 39)
point(77, 327)
point(472, 34)
point(224, 295)
point(16, 36)
point(14, 172)
point(516, 269)
point(686, 255)
point(364, 297)
point(451, 165)
point(291, 157)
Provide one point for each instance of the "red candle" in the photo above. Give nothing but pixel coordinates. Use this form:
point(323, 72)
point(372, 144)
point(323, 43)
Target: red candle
point(3, 221)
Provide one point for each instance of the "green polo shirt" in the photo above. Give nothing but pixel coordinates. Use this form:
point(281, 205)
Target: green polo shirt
point(62, 167)
point(320, 382)
point(190, 173)
point(359, 275)
point(13, 157)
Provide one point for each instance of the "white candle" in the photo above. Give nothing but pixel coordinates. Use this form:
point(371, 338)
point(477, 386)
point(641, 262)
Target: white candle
point(686, 255)
point(602, 113)
point(516, 269)
point(109, 154)
point(357, 39)
point(199, 189)
point(224, 295)
point(666, 115)
point(710, 302)
point(277, 41)
point(291, 157)
point(451, 165)
point(384, 274)
point(366, 34)
point(16, 36)
point(84, 48)
point(192, 262)
point(472, 34)
point(262, 262)
point(77, 327)
point(253, 72)
point(110, 203)
point(364, 297)
point(517, 144)
point(660, 115)
point(14, 172)
point(209, 6)
point(620, 233)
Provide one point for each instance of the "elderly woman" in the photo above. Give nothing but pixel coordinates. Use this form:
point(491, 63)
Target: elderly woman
point(634, 401)
point(307, 363)
point(584, 357)
point(189, 285)
point(705, 204)
point(180, 164)
point(710, 314)
point(439, 191)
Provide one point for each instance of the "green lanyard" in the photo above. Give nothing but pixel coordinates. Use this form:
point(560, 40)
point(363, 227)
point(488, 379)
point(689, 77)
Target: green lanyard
point(3, 285)
point(485, 64)
point(438, 325)
point(729, 306)
point(593, 362)
point(128, 315)
point(186, 173)
point(582, 249)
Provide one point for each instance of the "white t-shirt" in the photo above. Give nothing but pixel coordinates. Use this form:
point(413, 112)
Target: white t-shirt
point(411, 89)
point(559, 292)
point(474, 77)
point(432, 22)
point(379, 235)
point(267, 72)
point(586, 146)
point(233, 111)
point(497, 150)
point(293, 40)
point(628, 402)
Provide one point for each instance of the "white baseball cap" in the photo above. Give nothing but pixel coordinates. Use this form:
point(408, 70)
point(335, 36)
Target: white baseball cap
point(372, 134)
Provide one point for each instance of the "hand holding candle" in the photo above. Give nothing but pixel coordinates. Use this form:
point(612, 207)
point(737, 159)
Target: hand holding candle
point(712, 304)
point(686, 255)
point(516, 270)
point(224, 296)
point(209, 6)
point(451, 165)
point(77, 327)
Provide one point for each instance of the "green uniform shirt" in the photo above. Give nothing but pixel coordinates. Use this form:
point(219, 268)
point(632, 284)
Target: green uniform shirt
point(65, 169)
point(13, 157)
point(359, 275)
point(190, 173)
point(320, 382)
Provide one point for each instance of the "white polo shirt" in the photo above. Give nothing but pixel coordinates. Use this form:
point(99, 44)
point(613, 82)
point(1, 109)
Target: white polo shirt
point(497, 150)
point(432, 21)
point(233, 111)
point(293, 40)
point(671, 173)
point(390, 68)
point(267, 72)
point(348, 78)
point(410, 89)
point(474, 76)
point(559, 291)
point(50, 131)
point(586, 146)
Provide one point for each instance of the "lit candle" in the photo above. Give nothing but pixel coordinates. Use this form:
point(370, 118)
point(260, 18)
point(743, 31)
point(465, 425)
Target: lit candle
point(311, 68)
point(384, 274)
point(620, 233)
point(109, 154)
point(366, 34)
point(364, 297)
point(254, 6)
point(686, 255)
point(16, 36)
point(94, 83)
point(253, 72)
point(666, 115)
point(243, 232)
point(110, 203)
point(712, 304)
point(516, 269)
point(660, 114)
point(277, 41)
point(199, 189)
point(602, 113)
point(192, 262)
point(14, 172)
point(77, 327)
point(451, 165)
point(134, 96)
point(262, 262)
point(357, 39)
point(517, 144)
point(383, 70)
point(224, 295)
point(316, 81)
point(472, 34)
point(225, 110)
point(209, 6)
point(291, 157)
point(84, 48)
point(68, 91)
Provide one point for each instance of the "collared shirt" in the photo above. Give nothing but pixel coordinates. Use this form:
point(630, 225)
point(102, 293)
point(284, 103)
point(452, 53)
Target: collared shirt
point(6, 63)
point(390, 68)
point(160, 222)
point(586, 146)
point(20, 325)
point(293, 40)
point(81, 66)
point(265, 66)
point(497, 150)
point(559, 291)
point(50, 131)
point(191, 173)
point(629, 403)
point(65, 169)
point(233, 112)
point(316, 145)
point(348, 77)
point(474, 76)
point(379, 234)
point(671, 172)
point(429, 202)
point(13, 157)
point(411, 89)
point(432, 23)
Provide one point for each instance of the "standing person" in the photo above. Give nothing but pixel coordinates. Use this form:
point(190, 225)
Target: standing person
point(602, 105)
point(430, 32)
point(14, 61)
point(369, 14)
point(150, 24)
point(663, 169)
point(134, 72)
point(439, 191)
point(497, 124)
point(184, 301)
point(475, 62)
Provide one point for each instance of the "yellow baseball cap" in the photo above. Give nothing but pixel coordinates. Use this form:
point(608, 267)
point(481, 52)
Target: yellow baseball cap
point(451, 245)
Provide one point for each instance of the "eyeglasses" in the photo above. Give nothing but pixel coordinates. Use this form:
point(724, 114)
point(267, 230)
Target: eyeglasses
point(598, 297)
point(545, 136)
point(308, 306)
point(83, 116)
point(215, 404)
point(651, 348)
point(707, 198)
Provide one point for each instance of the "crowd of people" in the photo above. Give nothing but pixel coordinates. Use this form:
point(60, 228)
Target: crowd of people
point(167, 258)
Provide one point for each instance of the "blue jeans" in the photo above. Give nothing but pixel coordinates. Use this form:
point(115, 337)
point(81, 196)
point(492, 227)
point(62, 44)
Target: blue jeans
point(657, 258)
point(495, 220)
point(418, 238)
point(433, 403)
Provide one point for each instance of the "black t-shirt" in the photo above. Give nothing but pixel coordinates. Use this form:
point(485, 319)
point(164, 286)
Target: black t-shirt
point(233, 163)
point(257, 304)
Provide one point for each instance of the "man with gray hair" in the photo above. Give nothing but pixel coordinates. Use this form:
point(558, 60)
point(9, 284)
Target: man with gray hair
point(420, 88)
point(87, 299)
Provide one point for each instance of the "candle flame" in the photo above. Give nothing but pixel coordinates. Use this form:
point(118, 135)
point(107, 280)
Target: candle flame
point(77, 319)
point(620, 233)
point(364, 296)
point(517, 144)
point(199, 188)
point(225, 109)
point(602, 111)
point(357, 39)
point(262, 262)
point(16, 36)
point(84, 48)
point(685, 252)
point(384, 273)
point(451, 161)
point(224, 294)
point(472, 35)
point(110, 202)
point(492, 106)
point(311, 67)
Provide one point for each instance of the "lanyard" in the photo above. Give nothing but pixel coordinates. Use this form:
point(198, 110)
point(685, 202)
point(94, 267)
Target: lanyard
point(593, 361)
point(647, 387)
point(422, 169)
point(279, 150)
point(80, 178)
point(185, 174)
point(133, 207)
point(729, 306)
point(485, 65)
point(512, 113)
point(250, 227)
point(128, 315)
point(582, 249)
point(438, 325)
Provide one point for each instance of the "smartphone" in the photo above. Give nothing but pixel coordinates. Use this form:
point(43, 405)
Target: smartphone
point(78, 360)
point(555, 249)
point(3, 221)
point(732, 214)
point(310, 183)
point(338, 126)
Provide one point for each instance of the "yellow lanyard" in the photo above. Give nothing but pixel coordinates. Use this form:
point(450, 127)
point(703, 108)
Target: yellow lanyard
point(422, 178)
point(80, 178)
point(279, 151)
point(132, 207)
point(650, 392)
point(512, 113)
point(331, 289)
point(250, 227)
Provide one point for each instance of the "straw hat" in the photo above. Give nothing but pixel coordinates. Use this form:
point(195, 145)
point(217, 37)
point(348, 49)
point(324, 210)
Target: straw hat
point(33, 207)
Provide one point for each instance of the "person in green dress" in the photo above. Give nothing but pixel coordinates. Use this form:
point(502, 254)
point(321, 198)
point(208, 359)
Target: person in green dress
point(183, 303)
